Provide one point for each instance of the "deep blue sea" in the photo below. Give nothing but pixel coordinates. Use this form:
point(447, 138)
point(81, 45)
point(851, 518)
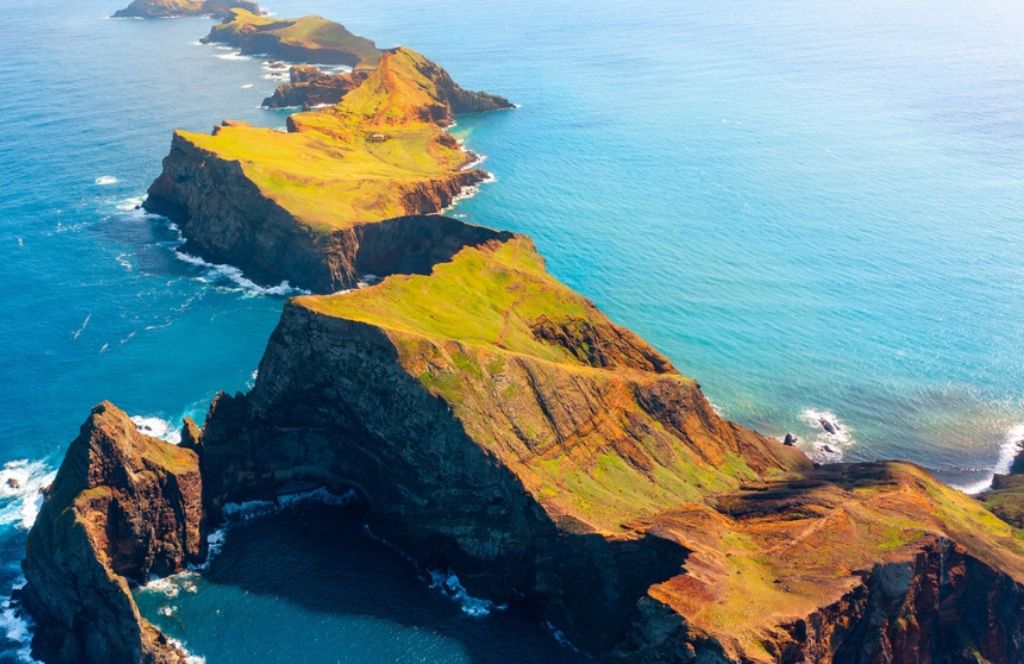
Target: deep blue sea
point(815, 208)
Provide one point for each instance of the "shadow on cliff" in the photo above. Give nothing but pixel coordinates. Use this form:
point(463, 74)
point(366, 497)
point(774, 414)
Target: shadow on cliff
point(334, 408)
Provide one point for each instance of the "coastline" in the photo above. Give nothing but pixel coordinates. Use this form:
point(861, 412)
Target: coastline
point(214, 267)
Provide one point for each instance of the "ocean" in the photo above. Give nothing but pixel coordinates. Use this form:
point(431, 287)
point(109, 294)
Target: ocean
point(815, 209)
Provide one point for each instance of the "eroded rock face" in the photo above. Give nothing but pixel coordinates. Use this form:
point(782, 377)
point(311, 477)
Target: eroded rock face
point(308, 86)
point(944, 605)
point(123, 506)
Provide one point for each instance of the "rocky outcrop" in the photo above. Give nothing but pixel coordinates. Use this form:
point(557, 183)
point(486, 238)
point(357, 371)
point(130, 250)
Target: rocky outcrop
point(309, 86)
point(123, 507)
point(943, 605)
point(309, 39)
point(219, 9)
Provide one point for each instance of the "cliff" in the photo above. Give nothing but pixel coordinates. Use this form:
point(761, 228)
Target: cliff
point(499, 424)
point(220, 9)
point(122, 507)
point(308, 86)
point(311, 39)
point(298, 205)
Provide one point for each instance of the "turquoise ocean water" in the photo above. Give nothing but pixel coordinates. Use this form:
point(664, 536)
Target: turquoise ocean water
point(816, 209)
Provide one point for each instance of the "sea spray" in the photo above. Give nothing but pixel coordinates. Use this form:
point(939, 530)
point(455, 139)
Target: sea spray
point(1011, 445)
point(450, 586)
point(831, 438)
point(21, 491)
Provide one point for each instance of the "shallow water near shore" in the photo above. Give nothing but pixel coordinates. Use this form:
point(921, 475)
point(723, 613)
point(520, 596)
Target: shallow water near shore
point(817, 213)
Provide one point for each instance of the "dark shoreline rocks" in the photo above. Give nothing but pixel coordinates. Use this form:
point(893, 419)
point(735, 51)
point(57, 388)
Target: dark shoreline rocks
point(309, 86)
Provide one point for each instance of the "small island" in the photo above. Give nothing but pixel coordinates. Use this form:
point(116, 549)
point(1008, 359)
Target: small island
point(219, 9)
point(309, 39)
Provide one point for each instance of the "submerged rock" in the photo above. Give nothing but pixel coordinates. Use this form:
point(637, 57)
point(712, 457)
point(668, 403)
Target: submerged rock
point(123, 507)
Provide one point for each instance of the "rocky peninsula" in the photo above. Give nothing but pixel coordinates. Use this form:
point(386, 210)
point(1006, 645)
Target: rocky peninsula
point(330, 199)
point(220, 9)
point(496, 423)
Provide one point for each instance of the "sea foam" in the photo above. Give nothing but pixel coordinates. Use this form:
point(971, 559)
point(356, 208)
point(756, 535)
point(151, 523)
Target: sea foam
point(1012, 443)
point(21, 485)
point(157, 427)
point(449, 585)
point(218, 272)
point(831, 435)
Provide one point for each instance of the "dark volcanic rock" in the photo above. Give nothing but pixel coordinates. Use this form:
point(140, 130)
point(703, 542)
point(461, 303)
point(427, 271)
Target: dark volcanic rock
point(123, 506)
point(309, 86)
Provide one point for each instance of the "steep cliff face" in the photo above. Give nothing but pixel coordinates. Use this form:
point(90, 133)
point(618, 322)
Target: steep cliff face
point(496, 422)
point(307, 39)
point(309, 86)
point(299, 205)
point(169, 8)
point(526, 465)
point(227, 219)
point(122, 507)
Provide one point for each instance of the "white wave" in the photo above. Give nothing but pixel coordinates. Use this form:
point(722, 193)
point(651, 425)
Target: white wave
point(253, 509)
point(246, 86)
point(1013, 442)
point(157, 427)
point(234, 55)
point(831, 436)
point(452, 588)
point(21, 241)
point(233, 274)
point(190, 658)
point(130, 203)
point(21, 491)
point(122, 260)
point(17, 625)
point(105, 180)
point(85, 323)
point(468, 192)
